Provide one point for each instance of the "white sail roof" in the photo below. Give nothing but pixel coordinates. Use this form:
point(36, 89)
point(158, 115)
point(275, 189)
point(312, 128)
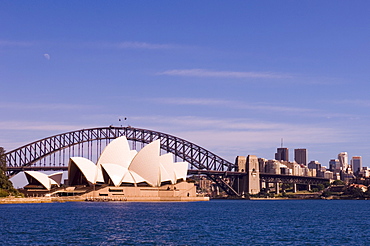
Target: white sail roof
point(116, 152)
point(123, 165)
point(56, 177)
point(42, 178)
point(132, 177)
point(167, 164)
point(115, 172)
point(87, 168)
point(146, 163)
point(181, 170)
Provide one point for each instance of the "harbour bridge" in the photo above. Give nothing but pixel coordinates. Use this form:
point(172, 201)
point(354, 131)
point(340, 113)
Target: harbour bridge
point(53, 153)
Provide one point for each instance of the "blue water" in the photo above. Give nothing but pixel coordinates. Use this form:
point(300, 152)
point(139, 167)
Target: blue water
point(291, 222)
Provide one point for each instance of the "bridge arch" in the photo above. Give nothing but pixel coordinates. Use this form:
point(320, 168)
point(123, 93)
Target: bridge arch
point(198, 157)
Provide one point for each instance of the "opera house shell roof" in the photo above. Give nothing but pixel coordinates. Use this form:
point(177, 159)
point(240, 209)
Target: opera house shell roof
point(39, 180)
point(118, 165)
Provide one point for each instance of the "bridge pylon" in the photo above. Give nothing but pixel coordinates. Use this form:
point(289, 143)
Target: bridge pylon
point(250, 183)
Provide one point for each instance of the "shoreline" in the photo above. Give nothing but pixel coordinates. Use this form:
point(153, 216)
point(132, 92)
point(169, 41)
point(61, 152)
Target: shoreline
point(22, 200)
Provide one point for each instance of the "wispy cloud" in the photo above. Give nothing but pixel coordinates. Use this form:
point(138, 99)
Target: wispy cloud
point(229, 104)
point(255, 106)
point(38, 126)
point(223, 74)
point(43, 106)
point(360, 103)
point(138, 45)
point(9, 43)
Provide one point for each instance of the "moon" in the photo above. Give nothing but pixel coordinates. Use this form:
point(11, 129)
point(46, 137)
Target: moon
point(47, 56)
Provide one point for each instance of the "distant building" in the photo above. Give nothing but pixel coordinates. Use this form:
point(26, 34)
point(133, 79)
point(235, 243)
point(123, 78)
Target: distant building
point(315, 165)
point(334, 164)
point(300, 156)
point(273, 167)
point(364, 172)
point(282, 154)
point(343, 160)
point(356, 163)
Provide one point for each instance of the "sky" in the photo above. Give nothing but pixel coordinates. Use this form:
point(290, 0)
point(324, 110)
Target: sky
point(234, 77)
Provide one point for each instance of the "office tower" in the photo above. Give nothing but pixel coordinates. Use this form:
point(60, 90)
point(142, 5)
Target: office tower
point(343, 160)
point(314, 165)
point(282, 154)
point(356, 163)
point(334, 164)
point(300, 156)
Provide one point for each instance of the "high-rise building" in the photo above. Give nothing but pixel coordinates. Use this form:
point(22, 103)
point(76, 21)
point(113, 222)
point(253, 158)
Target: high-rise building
point(343, 160)
point(282, 154)
point(314, 165)
point(334, 165)
point(356, 163)
point(300, 156)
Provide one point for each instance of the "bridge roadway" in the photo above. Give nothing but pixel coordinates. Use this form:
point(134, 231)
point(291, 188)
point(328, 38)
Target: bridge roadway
point(264, 177)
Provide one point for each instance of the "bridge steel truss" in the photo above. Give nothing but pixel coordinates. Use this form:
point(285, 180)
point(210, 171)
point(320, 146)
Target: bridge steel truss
point(290, 179)
point(199, 158)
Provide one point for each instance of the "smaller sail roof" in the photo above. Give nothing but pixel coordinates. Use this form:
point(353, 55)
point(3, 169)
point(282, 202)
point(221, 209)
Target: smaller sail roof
point(115, 172)
point(56, 177)
point(181, 170)
point(43, 179)
point(87, 168)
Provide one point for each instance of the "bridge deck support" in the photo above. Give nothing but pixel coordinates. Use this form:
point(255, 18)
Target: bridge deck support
point(277, 188)
point(294, 188)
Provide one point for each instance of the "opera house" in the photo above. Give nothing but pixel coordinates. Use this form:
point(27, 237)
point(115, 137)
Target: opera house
point(121, 174)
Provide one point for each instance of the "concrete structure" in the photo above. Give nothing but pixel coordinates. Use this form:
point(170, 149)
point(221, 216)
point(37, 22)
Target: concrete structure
point(249, 184)
point(262, 165)
point(241, 163)
point(253, 175)
point(282, 154)
point(300, 156)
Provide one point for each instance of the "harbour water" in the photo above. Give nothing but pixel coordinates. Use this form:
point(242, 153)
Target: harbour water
point(217, 222)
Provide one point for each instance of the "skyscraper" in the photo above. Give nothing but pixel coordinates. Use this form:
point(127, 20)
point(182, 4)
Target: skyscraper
point(282, 154)
point(334, 165)
point(343, 160)
point(300, 156)
point(356, 163)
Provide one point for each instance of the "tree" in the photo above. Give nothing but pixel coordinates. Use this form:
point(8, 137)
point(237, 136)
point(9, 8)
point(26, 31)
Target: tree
point(6, 185)
point(338, 182)
point(354, 192)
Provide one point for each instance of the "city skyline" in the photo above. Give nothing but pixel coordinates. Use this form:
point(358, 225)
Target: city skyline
point(234, 78)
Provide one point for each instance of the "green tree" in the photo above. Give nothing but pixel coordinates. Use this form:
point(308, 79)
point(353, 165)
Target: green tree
point(326, 193)
point(338, 182)
point(354, 192)
point(6, 185)
point(320, 187)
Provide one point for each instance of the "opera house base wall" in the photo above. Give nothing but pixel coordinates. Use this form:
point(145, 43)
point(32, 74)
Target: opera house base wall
point(183, 191)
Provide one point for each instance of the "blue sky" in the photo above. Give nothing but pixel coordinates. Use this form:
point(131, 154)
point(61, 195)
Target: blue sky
point(232, 76)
